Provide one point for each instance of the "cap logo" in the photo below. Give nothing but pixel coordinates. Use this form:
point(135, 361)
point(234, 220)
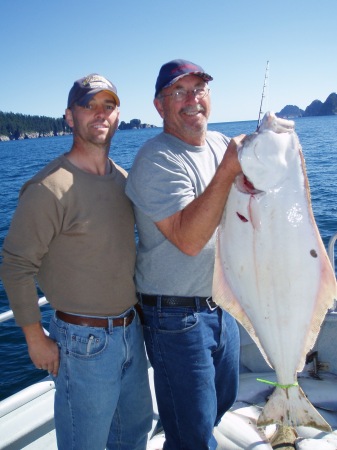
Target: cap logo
point(96, 81)
point(183, 67)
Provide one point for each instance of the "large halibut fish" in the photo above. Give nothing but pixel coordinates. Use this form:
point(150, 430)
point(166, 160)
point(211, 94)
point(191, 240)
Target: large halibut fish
point(272, 272)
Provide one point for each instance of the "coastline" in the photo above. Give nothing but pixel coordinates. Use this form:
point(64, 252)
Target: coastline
point(33, 135)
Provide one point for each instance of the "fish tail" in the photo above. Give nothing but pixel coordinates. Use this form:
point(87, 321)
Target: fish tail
point(290, 407)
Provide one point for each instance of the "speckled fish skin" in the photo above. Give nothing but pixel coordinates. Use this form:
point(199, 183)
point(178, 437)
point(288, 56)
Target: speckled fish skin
point(272, 272)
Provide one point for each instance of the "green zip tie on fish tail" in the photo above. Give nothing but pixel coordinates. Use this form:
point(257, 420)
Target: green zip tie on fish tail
point(274, 383)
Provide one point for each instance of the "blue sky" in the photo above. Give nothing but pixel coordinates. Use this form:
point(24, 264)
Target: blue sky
point(46, 45)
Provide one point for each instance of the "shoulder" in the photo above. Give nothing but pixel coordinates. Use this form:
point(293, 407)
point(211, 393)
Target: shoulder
point(119, 171)
point(55, 176)
point(162, 151)
point(152, 147)
point(217, 138)
point(153, 155)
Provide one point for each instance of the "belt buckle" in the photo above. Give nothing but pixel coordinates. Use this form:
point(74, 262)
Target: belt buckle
point(208, 301)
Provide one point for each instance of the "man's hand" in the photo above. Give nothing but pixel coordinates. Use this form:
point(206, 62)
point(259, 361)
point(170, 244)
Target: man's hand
point(42, 350)
point(230, 162)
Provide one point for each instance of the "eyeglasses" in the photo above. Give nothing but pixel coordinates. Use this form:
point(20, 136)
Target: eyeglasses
point(181, 94)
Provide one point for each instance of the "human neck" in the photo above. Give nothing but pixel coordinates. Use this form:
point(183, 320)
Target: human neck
point(195, 137)
point(95, 163)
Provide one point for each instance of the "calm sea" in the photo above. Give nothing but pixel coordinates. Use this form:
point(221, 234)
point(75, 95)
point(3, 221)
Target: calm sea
point(22, 159)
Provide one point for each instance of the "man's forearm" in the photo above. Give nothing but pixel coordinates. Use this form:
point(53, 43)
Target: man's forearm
point(191, 228)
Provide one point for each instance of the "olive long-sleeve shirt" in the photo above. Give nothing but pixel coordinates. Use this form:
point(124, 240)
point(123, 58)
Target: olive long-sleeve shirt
point(73, 233)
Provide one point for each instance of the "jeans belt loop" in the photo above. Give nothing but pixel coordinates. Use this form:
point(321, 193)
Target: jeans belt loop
point(197, 303)
point(159, 303)
point(111, 327)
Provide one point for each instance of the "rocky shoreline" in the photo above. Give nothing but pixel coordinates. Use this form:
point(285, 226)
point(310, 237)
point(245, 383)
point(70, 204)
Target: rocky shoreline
point(132, 125)
point(32, 135)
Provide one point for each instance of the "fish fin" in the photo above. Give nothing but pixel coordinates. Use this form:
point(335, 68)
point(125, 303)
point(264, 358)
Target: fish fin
point(223, 295)
point(284, 438)
point(291, 408)
point(326, 294)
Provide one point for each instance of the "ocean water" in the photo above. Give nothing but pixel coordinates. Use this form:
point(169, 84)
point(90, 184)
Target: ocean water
point(20, 160)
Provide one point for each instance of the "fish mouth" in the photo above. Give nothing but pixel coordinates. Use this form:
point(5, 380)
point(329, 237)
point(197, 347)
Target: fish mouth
point(244, 185)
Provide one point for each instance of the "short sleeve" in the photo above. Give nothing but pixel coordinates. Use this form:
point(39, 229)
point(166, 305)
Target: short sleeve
point(159, 185)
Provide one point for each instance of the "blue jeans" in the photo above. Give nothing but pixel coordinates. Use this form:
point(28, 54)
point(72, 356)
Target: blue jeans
point(102, 398)
point(195, 356)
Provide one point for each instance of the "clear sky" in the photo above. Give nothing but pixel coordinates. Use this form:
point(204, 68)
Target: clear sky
point(46, 45)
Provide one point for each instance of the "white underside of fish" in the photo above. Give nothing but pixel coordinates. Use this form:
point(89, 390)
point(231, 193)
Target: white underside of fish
point(272, 272)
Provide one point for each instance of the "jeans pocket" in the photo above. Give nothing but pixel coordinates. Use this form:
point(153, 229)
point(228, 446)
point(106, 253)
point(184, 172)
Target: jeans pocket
point(86, 342)
point(174, 320)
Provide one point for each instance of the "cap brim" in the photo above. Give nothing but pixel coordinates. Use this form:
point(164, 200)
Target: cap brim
point(202, 75)
point(87, 97)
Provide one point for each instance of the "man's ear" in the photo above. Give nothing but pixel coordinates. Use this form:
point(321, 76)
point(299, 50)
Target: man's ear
point(159, 107)
point(69, 117)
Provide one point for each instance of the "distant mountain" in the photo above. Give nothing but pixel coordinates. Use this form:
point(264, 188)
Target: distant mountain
point(290, 111)
point(316, 108)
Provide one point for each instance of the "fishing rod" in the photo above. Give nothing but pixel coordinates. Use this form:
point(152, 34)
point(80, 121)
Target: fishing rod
point(263, 95)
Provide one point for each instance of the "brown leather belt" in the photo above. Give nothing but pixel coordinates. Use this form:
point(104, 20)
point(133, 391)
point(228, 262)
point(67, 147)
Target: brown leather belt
point(95, 322)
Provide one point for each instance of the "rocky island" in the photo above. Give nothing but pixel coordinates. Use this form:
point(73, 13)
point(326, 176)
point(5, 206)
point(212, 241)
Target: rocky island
point(134, 124)
point(316, 108)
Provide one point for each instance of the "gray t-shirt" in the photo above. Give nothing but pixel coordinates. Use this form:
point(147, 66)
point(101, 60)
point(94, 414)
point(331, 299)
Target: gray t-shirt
point(167, 175)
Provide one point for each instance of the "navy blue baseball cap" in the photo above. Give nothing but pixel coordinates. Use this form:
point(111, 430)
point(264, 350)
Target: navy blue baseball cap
point(176, 69)
point(85, 88)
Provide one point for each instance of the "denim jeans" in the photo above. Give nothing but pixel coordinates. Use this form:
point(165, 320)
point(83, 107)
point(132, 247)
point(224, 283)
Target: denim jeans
point(102, 398)
point(195, 356)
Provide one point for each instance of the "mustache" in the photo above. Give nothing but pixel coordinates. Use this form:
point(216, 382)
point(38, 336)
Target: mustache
point(193, 108)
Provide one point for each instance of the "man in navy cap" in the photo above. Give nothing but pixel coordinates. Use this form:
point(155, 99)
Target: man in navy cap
point(73, 232)
point(179, 184)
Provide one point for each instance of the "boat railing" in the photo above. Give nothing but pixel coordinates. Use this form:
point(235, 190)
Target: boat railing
point(32, 392)
point(331, 254)
point(7, 315)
